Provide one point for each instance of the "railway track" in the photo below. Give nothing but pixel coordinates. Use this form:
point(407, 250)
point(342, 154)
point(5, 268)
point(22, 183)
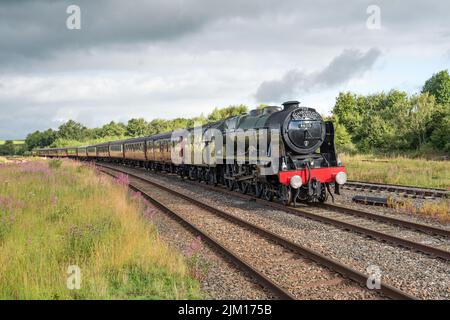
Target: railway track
point(344, 217)
point(389, 220)
point(405, 191)
point(336, 215)
point(255, 245)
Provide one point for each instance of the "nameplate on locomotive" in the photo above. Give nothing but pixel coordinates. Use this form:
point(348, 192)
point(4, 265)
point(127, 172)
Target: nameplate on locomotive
point(302, 114)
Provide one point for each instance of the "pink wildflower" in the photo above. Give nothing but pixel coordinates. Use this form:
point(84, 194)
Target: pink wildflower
point(122, 179)
point(195, 246)
point(136, 195)
point(54, 200)
point(149, 212)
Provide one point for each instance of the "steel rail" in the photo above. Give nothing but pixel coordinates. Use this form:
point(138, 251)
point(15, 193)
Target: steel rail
point(394, 221)
point(332, 264)
point(230, 254)
point(435, 252)
point(397, 185)
point(411, 190)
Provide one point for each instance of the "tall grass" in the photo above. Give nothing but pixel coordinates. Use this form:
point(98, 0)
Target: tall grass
point(398, 170)
point(437, 210)
point(53, 217)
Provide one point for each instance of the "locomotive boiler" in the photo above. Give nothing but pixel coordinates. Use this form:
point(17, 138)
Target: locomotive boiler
point(287, 153)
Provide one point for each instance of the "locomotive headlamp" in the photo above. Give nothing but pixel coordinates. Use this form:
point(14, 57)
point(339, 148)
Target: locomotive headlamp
point(296, 182)
point(341, 177)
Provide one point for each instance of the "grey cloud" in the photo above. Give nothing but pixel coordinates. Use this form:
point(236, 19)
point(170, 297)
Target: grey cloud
point(349, 64)
point(19, 119)
point(220, 48)
point(33, 31)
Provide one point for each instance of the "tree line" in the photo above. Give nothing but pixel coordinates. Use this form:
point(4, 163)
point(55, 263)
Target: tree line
point(73, 133)
point(9, 147)
point(394, 121)
point(381, 122)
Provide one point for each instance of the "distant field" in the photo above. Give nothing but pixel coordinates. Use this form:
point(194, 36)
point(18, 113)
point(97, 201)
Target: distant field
point(14, 141)
point(56, 216)
point(398, 170)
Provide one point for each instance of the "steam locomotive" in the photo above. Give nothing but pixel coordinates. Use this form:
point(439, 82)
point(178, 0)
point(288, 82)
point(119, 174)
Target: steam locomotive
point(286, 153)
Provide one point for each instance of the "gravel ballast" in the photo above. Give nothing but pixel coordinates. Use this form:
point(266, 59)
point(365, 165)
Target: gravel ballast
point(412, 272)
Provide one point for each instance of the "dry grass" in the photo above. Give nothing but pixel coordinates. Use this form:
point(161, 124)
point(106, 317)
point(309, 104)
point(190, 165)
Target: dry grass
point(398, 170)
point(54, 215)
point(439, 210)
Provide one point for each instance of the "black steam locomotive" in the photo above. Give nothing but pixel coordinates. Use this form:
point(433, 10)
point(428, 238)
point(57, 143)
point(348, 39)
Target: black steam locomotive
point(287, 153)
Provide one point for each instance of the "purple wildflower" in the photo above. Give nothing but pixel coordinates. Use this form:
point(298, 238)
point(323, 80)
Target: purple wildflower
point(146, 202)
point(122, 179)
point(149, 213)
point(195, 246)
point(35, 167)
point(54, 200)
point(7, 203)
point(136, 195)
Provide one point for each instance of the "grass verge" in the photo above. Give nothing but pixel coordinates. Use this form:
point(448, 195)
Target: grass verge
point(398, 170)
point(56, 215)
point(436, 210)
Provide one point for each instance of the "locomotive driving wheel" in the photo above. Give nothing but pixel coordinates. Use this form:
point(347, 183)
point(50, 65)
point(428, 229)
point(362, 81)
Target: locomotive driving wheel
point(244, 186)
point(212, 178)
point(267, 192)
point(193, 174)
point(229, 184)
point(258, 189)
point(285, 195)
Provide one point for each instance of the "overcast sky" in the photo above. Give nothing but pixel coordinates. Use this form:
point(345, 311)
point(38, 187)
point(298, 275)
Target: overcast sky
point(170, 58)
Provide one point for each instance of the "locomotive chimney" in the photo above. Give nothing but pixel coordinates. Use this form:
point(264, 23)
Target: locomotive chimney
point(290, 105)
